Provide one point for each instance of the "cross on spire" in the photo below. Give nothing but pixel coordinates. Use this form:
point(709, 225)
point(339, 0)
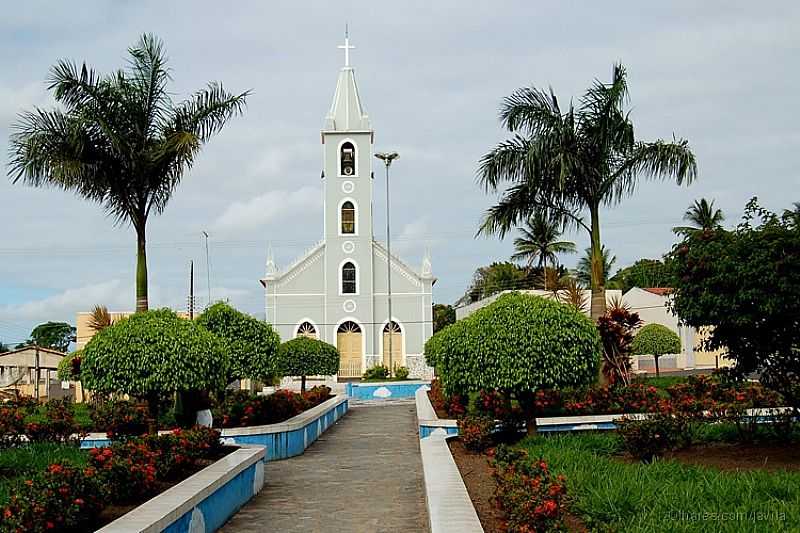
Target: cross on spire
point(346, 47)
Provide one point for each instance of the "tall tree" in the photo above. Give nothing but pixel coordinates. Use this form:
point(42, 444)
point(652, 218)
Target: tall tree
point(443, 315)
point(702, 216)
point(118, 139)
point(539, 242)
point(643, 273)
point(53, 335)
point(497, 277)
point(571, 162)
point(584, 270)
point(4, 348)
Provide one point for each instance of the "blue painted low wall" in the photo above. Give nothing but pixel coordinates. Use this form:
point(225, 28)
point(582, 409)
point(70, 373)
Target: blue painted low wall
point(293, 436)
point(201, 503)
point(427, 430)
point(386, 390)
point(283, 440)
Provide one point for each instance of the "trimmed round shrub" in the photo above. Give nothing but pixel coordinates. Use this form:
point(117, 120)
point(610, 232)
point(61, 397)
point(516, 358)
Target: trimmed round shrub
point(304, 356)
point(516, 345)
point(656, 340)
point(153, 354)
point(252, 344)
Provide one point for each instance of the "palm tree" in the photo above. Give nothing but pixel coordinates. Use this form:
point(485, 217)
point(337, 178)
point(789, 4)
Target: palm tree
point(573, 161)
point(119, 140)
point(703, 217)
point(539, 242)
point(99, 318)
point(583, 272)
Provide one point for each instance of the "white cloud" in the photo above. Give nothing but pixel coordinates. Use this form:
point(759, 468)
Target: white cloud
point(263, 209)
point(65, 305)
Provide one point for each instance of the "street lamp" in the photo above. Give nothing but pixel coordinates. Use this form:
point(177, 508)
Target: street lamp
point(387, 158)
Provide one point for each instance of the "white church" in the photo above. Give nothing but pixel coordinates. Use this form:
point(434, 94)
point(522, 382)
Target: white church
point(338, 290)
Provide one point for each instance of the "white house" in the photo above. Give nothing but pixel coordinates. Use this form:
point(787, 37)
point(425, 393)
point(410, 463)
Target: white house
point(652, 306)
point(338, 291)
point(468, 309)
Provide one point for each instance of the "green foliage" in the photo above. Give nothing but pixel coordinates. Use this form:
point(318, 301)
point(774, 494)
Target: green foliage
point(703, 217)
point(656, 340)
point(538, 241)
point(475, 432)
point(304, 356)
point(495, 278)
point(744, 285)
point(119, 139)
point(567, 161)
point(583, 272)
point(443, 315)
point(152, 354)
point(516, 345)
point(69, 367)
point(611, 495)
point(519, 342)
point(650, 437)
point(401, 372)
point(251, 343)
point(644, 273)
point(376, 372)
point(53, 335)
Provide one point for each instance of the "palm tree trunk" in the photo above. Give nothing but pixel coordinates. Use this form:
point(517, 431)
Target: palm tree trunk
point(598, 285)
point(141, 270)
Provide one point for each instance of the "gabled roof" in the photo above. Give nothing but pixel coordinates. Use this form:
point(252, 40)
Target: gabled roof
point(347, 113)
point(398, 263)
point(297, 264)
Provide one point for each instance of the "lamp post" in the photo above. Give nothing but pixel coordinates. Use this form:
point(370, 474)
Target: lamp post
point(387, 158)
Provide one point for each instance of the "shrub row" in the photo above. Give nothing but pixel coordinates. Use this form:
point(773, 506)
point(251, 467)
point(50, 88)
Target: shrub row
point(241, 408)
point(55, 423)
point(69, 498)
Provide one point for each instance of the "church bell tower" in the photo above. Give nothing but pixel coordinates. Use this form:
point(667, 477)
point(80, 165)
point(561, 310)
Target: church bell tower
point(347, 139)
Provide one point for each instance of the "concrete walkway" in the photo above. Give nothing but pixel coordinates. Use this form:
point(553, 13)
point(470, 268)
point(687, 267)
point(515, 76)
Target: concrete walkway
point(363, 475)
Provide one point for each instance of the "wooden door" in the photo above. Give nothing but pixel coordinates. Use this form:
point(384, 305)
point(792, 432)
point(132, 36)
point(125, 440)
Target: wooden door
point(348, 341)
point(393, 329)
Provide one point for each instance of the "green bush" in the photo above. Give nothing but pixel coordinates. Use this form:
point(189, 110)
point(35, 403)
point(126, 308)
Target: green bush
point(656, 340)
point(153, 354)
point(648, 438)
point(376, 372)
point(69, 368)
point(304, 356)
point(516, 345)
point(252, 344)
point(401, 372)
point(476, 432)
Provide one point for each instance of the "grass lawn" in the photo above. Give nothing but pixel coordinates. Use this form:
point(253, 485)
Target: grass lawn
point(612, 495)
point(20, 463)
point(662, 382)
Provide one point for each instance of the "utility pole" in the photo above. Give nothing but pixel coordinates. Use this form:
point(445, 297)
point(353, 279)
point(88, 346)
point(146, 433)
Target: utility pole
point(36, 366)
point(387, 159)
point(208, 271)
point(191, 289)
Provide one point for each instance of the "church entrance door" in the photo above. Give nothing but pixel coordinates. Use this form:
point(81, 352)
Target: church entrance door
point(348, 341)
point(393, 329)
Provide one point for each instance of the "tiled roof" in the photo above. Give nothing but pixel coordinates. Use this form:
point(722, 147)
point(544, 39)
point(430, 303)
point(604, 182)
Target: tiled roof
point(661, 291)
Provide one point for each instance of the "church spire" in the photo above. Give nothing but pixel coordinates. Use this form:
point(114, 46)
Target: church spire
point(347, 113)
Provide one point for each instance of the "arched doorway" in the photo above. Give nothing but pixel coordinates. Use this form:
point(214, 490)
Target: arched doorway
point(392, 329)
point(350, 345)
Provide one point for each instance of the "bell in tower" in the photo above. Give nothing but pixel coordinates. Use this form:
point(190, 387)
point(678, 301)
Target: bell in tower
point(348, 159)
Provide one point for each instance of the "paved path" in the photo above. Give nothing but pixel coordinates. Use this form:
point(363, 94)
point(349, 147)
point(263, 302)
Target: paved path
point(363, 475)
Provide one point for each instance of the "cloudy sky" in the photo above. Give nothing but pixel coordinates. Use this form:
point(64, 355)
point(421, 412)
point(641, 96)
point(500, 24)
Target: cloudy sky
point(431, 75)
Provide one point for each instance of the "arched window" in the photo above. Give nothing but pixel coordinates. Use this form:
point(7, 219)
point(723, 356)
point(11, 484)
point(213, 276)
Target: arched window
point(348, 327)
point(349, 285)
point(347, 159)
point(307, 329)
point(348, 218)
point(392, 327)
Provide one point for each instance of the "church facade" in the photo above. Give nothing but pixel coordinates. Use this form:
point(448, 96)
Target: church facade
point(338, 290)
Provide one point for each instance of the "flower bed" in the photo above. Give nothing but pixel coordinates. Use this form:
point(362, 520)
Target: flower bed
point(77, 495)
